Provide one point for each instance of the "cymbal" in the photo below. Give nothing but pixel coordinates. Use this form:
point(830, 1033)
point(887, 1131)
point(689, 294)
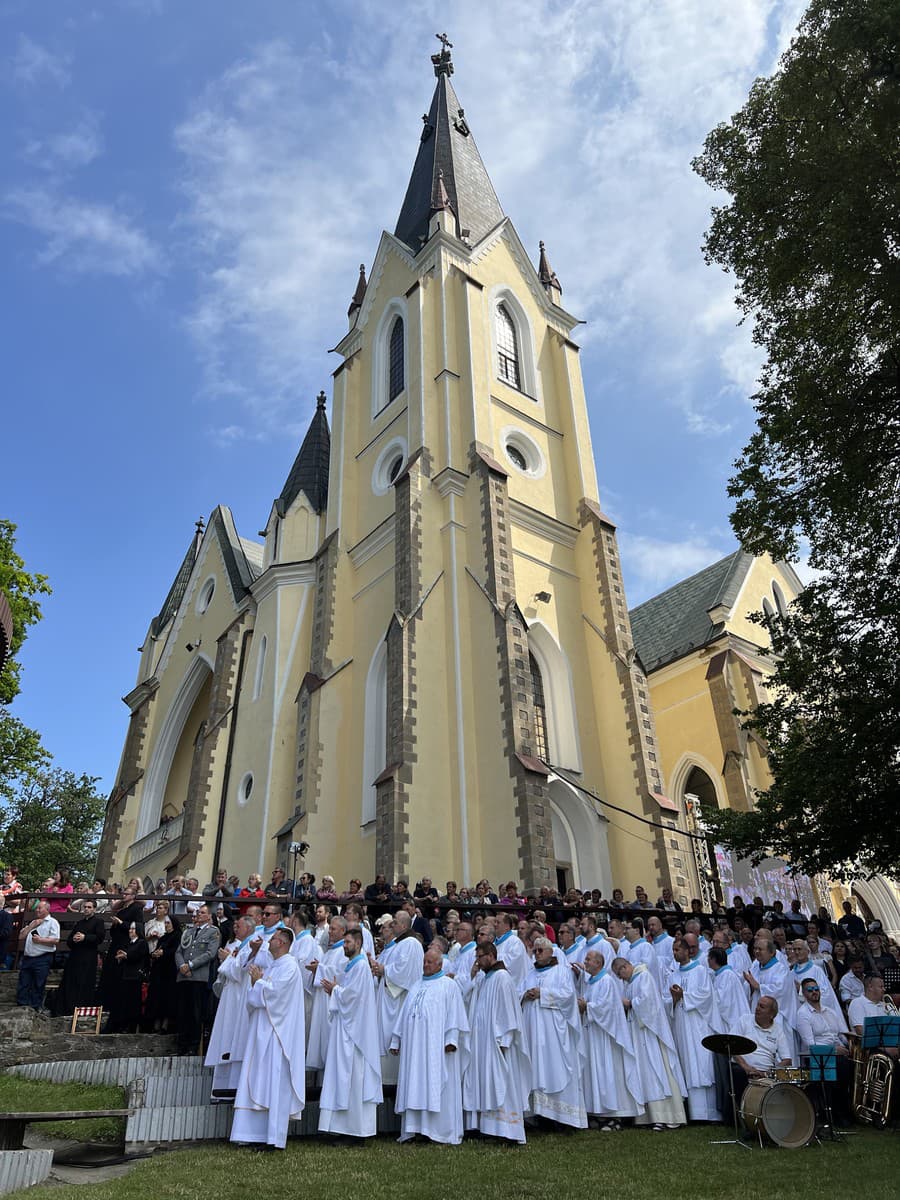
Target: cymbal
point(728, 1043)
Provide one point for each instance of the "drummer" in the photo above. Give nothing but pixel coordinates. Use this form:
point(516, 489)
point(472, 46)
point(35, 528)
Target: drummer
point(773, 1046)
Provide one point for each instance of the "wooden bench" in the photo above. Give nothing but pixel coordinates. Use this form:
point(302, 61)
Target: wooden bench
point(12, 1124)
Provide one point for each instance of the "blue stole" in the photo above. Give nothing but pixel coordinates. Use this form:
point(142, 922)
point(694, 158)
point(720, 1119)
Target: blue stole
point(771, 963)
point(436, 975)
point(689, 966)
point(500, 940)
point(719, 970)
point(598, 937)
point(303, 933)
point(548, 966)
point(599, 975)
point(659, 938)
point(462, 949)
point(391, 943)
point(352, 963)
point(335, 946)
point(570, 949)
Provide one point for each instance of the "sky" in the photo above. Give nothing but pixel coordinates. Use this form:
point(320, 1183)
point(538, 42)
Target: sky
point(188, 189)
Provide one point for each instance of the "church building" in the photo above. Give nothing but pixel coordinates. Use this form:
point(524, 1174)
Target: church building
point(427, 665)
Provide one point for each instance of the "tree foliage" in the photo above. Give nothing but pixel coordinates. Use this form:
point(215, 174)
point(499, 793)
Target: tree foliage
point(53, 819)
point(22, 590)
point(812, 234)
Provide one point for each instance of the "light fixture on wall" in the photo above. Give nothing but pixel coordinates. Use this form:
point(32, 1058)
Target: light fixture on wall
point(191, 646)
point(543, 597)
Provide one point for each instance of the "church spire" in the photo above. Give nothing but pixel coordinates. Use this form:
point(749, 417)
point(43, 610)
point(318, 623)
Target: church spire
point(309, 474)
point(552, 286)
point(448, 175)
point(358, 296)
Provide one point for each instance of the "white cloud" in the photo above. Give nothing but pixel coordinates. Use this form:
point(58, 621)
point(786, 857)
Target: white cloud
point(34, 64)
point(66, 151)
point(82, 236)
point(587, 131)
point(650, 565)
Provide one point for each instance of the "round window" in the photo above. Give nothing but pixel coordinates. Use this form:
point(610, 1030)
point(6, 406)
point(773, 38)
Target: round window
point(245, 789)
point(206, 594)
point(388, 466)
point(524, 454)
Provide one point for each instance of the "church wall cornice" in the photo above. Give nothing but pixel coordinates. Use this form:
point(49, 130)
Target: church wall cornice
point(279, 575)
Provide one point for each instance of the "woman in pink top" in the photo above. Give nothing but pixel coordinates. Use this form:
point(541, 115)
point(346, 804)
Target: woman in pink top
point(62, 886)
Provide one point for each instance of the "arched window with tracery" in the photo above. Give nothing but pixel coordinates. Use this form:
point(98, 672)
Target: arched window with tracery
point(507, 348)
point(396, 381)
point(540, 710)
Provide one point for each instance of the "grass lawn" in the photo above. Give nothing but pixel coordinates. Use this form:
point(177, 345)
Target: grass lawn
point(33, 1095)
point(634, 1165)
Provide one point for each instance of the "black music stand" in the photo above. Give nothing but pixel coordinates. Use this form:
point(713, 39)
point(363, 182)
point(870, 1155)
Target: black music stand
point(730, 1044)
point(823, 1070)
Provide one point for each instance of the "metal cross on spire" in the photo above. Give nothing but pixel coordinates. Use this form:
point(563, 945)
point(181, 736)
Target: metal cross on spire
point(443, 64)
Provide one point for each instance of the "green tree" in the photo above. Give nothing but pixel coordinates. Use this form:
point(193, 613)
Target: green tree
point(22, 590)
point(812, 235)
point(53, 819)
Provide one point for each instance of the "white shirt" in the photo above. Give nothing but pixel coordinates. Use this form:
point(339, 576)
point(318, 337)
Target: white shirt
point(819, 1028)
point(48, 928)
point(772, 1045)
point(863, 1007)
point(851, 986)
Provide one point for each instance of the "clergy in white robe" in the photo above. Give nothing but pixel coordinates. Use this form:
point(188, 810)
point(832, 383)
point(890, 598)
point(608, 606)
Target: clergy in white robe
point(461, 962)
point(735, 955)
point(352, 914)
point(351, 1087)
point(231, 1025)
point(611, 1078)
point(510, 947)
point(272, 919)
point(574, 947)
point(731, 992)
point(803, 967)
point(272, 1088)
point(661, 942)
point(637, 949)
point(304, 950)
point(396, 970)
point(431, 1039)
point(325, 968)
point(770, 977)
point(662, 1080)
point(497, 1078)
point(552, 1027)
point(695, 1014)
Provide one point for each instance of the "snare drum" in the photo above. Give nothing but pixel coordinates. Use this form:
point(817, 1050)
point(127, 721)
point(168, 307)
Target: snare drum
point(797, 1075)
point(781, 1111)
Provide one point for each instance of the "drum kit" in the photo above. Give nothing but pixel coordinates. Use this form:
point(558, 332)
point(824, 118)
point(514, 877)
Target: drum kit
point(774, 1107)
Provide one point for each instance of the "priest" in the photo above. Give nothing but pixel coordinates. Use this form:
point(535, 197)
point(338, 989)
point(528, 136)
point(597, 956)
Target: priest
point(612, 1087)
point(431, 1039)
point(497, 1079)
point(510, 947)
point(304, 950)
point(731, 991)
point(225, 1053)
point(351, 1087)
point(396, 970)
point(271, 1090)
point(695, 1014)
point(462, 963)
point(323, 967)
point(770, 977)
point(552, 1028)
point(661, 1079)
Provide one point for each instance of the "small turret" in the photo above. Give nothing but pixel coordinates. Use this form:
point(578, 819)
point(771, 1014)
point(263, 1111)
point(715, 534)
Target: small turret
point(551, 284)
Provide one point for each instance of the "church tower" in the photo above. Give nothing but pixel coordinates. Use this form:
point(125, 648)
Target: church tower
point(439, 643)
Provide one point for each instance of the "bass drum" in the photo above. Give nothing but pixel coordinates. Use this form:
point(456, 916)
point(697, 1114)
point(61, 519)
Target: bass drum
point(781, 1111)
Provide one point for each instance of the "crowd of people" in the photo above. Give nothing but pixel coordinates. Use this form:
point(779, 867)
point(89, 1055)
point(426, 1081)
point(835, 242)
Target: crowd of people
point(487, 1010)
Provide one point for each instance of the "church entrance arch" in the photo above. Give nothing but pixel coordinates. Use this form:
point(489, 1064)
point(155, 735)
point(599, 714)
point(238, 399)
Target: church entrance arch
point(174, 746)
point(579, 839)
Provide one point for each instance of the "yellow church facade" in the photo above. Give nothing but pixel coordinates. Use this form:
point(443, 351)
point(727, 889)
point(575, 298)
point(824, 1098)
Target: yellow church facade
point(426, 666)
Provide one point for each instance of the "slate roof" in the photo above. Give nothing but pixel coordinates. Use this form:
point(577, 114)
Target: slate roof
point(676, 621)
point(309, 474)
point(179, 584)
point(447, 159)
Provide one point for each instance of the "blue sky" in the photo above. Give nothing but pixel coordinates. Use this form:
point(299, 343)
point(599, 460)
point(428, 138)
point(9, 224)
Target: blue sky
point(188, 189)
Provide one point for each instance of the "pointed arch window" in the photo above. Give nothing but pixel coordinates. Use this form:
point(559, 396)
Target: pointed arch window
point(396, 382)
point(507, 348)
point(540, 710)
